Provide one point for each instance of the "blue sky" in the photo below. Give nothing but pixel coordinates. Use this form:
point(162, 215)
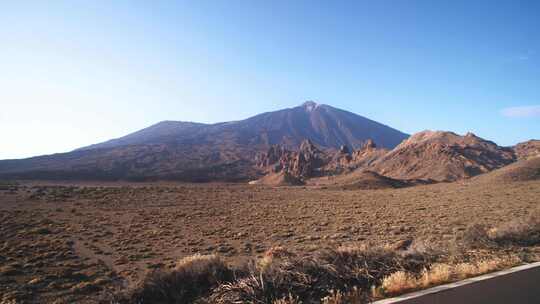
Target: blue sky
point(80, 72)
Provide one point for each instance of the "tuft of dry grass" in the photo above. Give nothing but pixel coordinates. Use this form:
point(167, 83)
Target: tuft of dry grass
point(437, 274)
point(192, 278)
point(398, 282)
point(401, 282)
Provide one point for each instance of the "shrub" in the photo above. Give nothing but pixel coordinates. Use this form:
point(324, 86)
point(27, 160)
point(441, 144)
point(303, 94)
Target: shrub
point(515, 233)
point(523, 233)
point(330, 275)
point(476, 236)
point(192, 278)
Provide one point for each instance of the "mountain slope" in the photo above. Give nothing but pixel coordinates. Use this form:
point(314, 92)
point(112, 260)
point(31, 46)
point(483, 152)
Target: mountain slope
point(522, 170)
point(324, 125)
point(155, 134)
point(442, 156)
point(200, 152)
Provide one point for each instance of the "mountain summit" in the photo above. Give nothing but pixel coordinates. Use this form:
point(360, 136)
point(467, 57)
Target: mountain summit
point(324, 125)
point(200, 152)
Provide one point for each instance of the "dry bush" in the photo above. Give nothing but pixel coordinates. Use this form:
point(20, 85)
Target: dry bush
point(476, 236)
point(331, 274)
point(515, 233)
point(518, 232)
point(192, 278)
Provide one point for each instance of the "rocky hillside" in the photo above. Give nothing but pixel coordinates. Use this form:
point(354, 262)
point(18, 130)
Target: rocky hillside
point(442, 156)
point(527, 150)
point(429, 156)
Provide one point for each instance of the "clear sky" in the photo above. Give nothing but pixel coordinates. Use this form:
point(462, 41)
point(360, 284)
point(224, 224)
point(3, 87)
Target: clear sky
point(73, 73)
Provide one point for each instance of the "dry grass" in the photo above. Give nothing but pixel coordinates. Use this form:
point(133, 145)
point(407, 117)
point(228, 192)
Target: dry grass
point(332, 276)
point(435, 275)
point(398, 282)
point(401, 282)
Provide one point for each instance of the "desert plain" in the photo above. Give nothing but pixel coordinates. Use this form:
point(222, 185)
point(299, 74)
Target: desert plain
point(81, 242)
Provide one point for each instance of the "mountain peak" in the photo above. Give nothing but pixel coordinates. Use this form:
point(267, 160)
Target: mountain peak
point(310, 105)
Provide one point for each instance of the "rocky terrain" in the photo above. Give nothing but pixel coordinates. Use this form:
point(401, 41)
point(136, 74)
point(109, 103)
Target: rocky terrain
point(443, 156)
point(425, 157)
point(528, 149)
point(65, 243)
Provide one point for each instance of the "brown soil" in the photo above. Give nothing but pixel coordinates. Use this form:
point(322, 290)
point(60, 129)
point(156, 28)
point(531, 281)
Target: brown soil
point(359, 180)
point(78, 242)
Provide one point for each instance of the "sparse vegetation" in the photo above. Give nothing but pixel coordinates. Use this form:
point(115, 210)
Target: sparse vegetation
point(522, 232)
point(345, 275)
point(75, 244)
point(327, 276)
point(192, 278)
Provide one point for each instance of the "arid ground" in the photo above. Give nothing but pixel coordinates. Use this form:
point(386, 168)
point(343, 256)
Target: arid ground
point(69, 242)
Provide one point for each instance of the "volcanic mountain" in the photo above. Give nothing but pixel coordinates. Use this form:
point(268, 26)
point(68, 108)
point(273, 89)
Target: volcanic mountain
point(201, 152)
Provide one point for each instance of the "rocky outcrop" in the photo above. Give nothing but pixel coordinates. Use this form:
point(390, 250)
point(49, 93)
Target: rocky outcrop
point(366, 155)
point(527, 150)
point(310, 161)
point(429, 156)
point(307, 162)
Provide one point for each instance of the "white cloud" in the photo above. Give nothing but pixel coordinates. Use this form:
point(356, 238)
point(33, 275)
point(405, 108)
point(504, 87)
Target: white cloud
point(522, 111)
